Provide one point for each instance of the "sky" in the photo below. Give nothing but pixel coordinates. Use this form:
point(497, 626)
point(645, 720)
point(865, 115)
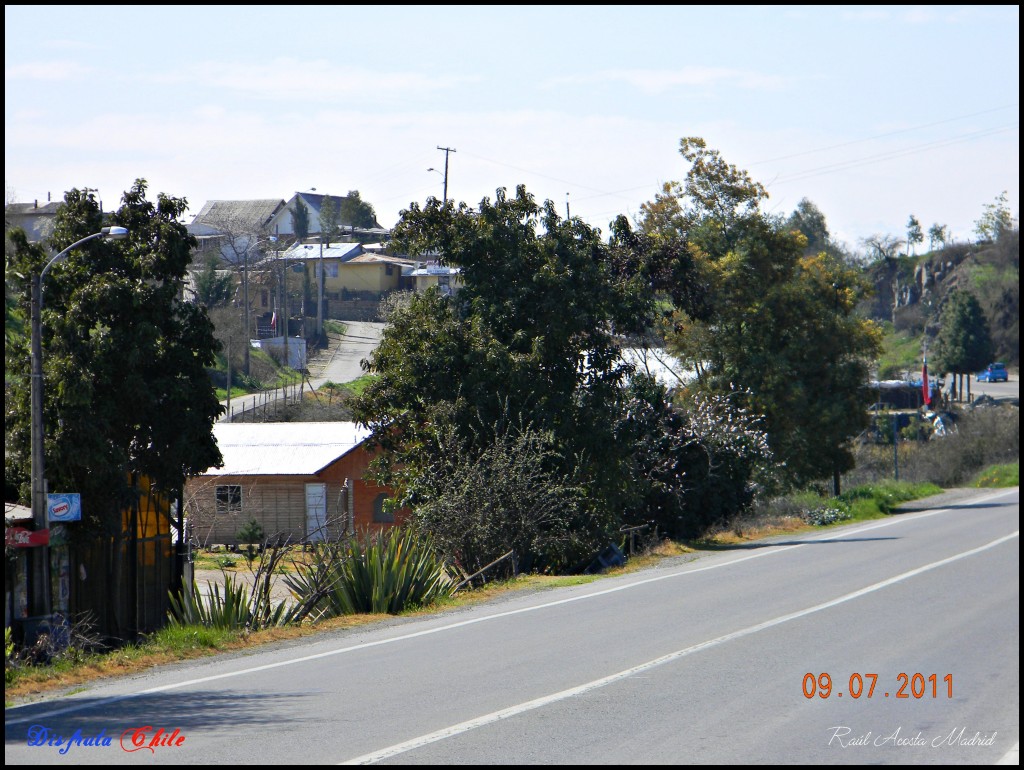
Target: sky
point(873, 113)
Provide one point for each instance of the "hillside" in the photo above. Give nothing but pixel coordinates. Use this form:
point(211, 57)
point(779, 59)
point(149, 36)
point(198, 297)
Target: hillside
point(910, 291)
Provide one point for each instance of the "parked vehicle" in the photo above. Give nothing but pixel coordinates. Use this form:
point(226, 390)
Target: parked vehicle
point(994, 373)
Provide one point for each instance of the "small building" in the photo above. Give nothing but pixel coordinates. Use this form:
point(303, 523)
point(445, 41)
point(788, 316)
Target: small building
point(447, 279)
point(299, 480)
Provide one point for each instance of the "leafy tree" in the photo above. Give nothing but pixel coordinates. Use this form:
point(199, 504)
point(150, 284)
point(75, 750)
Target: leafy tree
point(212, 289)
point(527, 341)
point(964, 342)
point(995, 220)
point(127, 392)
point(664, 214)
point(695, 464)
point(330, 219)
point(300, 221)
point(776, 327)
point(810, 221)
point(937, 235)
point(356, 212)
point(914, 234)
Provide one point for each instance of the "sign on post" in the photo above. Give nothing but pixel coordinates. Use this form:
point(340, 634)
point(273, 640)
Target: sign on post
point(64, 507)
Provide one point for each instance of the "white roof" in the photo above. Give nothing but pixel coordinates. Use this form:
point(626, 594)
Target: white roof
point(283, 448)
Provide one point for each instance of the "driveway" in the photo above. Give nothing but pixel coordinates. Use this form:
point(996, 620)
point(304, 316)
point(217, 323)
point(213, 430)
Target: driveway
point(342, 363)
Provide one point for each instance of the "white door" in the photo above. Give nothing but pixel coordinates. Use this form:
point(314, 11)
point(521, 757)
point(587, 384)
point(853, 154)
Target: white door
point(316, 512)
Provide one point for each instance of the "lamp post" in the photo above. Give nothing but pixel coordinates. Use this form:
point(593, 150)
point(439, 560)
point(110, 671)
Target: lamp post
point(40, 517)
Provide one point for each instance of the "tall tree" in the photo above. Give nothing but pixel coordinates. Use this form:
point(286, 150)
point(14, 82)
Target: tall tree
point(330, 219)
point(776, 326)
point(937, 235)
point(213, 287)
point(964, 342)
point(914, 234)
point(355, 212)
point(125, 360)
point(526, 343)
point(810, 221)
point(300, 220)
point(995, 220)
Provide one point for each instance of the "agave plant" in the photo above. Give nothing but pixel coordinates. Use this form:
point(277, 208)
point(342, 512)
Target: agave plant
point(389, 571)
point(236, 607)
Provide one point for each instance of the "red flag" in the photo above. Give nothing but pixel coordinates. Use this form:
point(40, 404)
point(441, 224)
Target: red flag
point(924, 384)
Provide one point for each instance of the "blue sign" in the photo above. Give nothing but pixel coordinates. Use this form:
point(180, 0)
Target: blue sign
point(64, 507)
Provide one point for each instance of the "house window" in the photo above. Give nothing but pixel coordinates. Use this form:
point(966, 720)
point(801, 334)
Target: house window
point(380, 516)
point(389, 269)
point(332, 269)
point(264, 298)
point(229, 499)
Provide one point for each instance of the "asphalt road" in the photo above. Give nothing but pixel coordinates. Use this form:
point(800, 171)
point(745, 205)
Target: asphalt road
point(699, 661)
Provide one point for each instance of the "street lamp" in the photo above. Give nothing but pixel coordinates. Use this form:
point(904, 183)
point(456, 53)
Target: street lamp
point(40, 517)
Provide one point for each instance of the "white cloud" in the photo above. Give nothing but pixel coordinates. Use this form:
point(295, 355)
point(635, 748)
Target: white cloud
point(652, 81)
point(49, 70)
point(287, 79)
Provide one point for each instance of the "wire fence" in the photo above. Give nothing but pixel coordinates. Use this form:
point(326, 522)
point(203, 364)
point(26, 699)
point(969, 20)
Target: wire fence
point(256, 407)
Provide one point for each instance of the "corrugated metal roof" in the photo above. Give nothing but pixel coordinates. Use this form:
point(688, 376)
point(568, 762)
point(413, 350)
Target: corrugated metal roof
point(283, 448)
point(339, 251)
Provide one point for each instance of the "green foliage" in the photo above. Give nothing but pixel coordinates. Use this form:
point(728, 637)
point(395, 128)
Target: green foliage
point(822, 517)
point(126, 391)
point(227, 606)
point(213, 289)
point(810, 221)
point(330, 219)
point(300, 220)
point(914, 233)
point(937, 236)
point(390, 572)
point(356, 212)
point(251, 534)
point(527, 340)
point(964, 343)
point(998, 476)
point(481, 499)
point(695, 463)
point(774, 324)
point(995, 220)
point(901, 352)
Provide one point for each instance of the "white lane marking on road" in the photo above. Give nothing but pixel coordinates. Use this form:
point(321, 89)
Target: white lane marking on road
point(497, 716)
point(768, 551)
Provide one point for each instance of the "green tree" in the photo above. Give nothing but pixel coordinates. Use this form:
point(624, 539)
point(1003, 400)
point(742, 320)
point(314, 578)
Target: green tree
point(330, 219)
point(964, 342)
point(937, 235)
point(213, 289)
point(777, 328)
point(810, 221)
point(356, 212)
point(127, 393)
point(300, 221)
point(914, 234)
point(527, 342)
point(995, 220)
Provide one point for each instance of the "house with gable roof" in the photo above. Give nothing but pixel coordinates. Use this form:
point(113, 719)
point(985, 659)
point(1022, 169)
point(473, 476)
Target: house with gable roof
point(299, 480)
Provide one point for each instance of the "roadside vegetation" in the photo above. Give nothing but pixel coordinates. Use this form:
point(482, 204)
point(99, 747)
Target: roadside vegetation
point(504, 418)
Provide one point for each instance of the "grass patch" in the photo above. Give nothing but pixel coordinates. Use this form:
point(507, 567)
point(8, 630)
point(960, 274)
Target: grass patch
point(998, 476)
point(335, 327)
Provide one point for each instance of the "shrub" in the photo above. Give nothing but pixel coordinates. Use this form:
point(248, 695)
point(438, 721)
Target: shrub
point(390, 571)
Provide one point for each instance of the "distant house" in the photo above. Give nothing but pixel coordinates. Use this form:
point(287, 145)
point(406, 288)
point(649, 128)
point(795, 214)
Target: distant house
point(236, 230)
point(283, 221)
point(37, 221)
point(300, 480)
point(447, 279)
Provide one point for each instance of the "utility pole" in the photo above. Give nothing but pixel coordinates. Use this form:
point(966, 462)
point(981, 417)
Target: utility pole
point(446, 151)
point(567, 217)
